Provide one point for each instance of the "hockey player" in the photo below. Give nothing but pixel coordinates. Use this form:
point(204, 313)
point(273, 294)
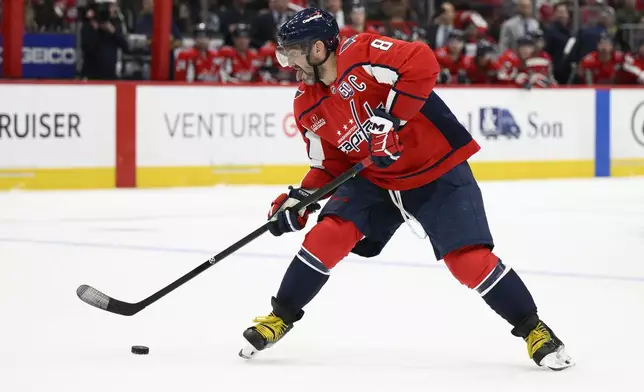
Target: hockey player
point(541, 61)
point(451, 59)
point(603, 65)
point(634, 67)
point(522, 68)
point(199, 62)
point(474, 29)
point(240, 63)
point(482, 68)
point(358, 22)
point(372, 96)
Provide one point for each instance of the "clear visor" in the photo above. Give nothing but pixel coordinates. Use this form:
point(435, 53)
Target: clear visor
point(287, 57)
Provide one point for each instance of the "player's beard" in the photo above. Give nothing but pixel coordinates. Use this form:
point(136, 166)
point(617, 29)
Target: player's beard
point(308, 76)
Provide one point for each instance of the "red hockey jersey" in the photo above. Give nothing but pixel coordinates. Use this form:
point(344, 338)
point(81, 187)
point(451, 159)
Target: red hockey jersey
point(594, 71)
point(477, 74)
point(239, 67)
point(633, 72)
point(375, 71)
point(448, 62)
point(197, 65)
point(532, 72)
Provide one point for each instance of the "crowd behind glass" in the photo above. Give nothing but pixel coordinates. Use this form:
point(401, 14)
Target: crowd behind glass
point(513, 42)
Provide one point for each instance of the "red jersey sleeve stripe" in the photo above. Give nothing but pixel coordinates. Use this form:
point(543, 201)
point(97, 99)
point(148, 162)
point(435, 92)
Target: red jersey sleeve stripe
point(409, 95)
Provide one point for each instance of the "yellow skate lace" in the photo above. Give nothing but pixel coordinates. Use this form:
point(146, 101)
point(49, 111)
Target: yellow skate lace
point(537, 338)
point(270, 327)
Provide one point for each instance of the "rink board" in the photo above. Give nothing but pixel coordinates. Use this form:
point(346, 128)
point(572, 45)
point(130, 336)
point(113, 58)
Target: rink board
point(275, 175)
point(627, 132)
point(56, 135)
point(204, 136)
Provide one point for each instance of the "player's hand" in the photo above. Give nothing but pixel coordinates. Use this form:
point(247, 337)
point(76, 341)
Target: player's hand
point(384, 145)
point(283, 219)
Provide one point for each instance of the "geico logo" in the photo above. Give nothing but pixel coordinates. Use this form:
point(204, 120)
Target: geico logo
point(37, 55)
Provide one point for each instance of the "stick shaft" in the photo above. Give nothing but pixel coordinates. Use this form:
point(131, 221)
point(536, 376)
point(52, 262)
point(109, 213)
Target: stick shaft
point(307, 201)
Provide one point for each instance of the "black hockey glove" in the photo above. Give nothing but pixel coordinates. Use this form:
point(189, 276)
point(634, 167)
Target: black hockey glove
point(283, 219)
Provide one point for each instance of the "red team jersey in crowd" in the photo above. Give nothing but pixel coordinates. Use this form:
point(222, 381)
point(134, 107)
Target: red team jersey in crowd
point(373, 72)
point(349, 31)
point(446, 61)
point(633, 69)
point(533, 71)
point(477, 74)
point(202, 63)
point(601, 72)
point(243, 67)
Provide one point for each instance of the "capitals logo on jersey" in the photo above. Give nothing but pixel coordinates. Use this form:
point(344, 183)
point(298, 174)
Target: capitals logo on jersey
point(355, 129)
point(495, 122)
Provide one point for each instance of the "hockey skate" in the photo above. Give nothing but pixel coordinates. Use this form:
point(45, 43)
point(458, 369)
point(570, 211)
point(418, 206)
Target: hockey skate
point(268, 330)
point(544, 347)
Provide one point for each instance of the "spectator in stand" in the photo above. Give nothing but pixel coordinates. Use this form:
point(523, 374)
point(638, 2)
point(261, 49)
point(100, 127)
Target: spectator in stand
point(266, 23)
point(540, 63)
point(558, 41)
point(443, 24)
point(144, 27)
point(588, 38)
point(482, 68)
point(236, 14)
point(541, 59)
point(144, 22)
point(475, 29)
point(521, 68)
point(102, 37)
point(358, 18)
point(240, 63)
point(334, 7)
point(517, 26)
point(628, 13)
point(198, 63)
point(451, 59)
point(603, 65)
point(183, 16)
point(634, 66)
point(398, 23)
point(53, 15)
point(591, 12)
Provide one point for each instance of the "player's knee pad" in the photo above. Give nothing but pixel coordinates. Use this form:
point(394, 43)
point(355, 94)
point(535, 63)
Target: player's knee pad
point(472, 265)
point(331, 240)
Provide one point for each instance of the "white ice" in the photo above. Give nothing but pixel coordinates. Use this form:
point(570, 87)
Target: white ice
point(398, 322)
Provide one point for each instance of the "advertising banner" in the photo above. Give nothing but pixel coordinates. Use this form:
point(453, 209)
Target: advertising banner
point(206, 126)
point(523, 134)
point(47, 56)
point(61, 127)
point(627, 131)
point(519, 125)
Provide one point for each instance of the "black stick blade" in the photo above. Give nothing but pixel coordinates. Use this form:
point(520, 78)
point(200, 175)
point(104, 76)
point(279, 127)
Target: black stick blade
point(95, 298)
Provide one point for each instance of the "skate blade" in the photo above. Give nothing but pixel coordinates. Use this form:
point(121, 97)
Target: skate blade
point(559, 360)
point(248, 352)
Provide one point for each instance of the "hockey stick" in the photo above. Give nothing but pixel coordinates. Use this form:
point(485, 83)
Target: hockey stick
point(99, 300)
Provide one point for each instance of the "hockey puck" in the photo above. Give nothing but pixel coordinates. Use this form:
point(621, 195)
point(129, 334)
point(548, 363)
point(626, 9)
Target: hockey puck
point(140, 350)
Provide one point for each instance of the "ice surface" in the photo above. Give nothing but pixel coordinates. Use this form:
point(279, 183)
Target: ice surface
point(399, 322)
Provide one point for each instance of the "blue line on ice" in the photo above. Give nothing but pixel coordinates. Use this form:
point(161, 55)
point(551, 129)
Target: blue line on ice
point(384, 263)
